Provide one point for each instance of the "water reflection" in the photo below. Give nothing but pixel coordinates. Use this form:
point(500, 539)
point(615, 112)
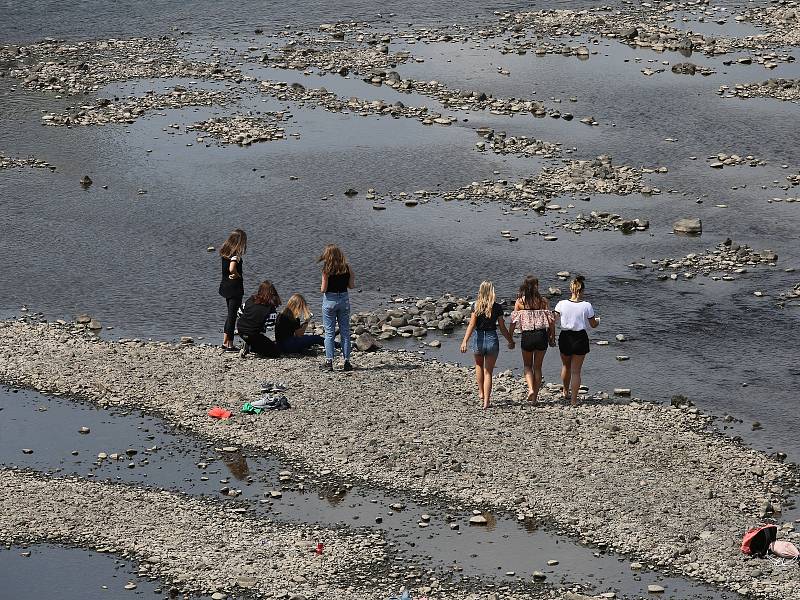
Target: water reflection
point(237, 465)
point(334, 496)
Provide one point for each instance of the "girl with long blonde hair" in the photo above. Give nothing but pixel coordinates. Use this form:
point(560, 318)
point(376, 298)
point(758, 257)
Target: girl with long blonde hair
point(487, 316)
point(337, 279)
point(290, 328)
point(232, 285)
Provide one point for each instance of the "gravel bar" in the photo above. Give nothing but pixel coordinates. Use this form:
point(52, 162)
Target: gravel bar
point(637, 478)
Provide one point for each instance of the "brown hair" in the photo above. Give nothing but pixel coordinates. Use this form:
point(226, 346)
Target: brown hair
point(267, 294)
point(529, 294)
point(235, 245)
point(333, 260)
point(576, 286)
point(297, 307)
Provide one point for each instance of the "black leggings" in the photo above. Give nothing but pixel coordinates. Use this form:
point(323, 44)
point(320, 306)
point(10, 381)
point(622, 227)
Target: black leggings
point(261, 345)
point(233, 307)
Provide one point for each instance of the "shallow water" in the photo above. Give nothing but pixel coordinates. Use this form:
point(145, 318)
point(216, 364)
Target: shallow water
point(166, 458)
point(76, 574)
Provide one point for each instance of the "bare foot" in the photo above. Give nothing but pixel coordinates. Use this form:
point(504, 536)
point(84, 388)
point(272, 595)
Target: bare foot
point(531, 397)
point(486, 405)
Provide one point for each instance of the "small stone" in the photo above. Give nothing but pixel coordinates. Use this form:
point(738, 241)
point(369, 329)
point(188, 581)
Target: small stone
point(130, 586)
point(477, 520)
point(655, 589)
point(689, 226)
point(84, 430)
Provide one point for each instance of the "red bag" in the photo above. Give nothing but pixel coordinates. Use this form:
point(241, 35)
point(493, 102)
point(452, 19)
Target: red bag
point(756, 542)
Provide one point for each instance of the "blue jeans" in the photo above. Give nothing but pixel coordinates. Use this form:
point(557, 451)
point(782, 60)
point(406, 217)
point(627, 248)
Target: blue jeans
point(336, 309)
point(297, 344)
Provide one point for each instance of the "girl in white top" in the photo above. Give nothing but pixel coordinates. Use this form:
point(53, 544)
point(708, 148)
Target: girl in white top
point(576, 316)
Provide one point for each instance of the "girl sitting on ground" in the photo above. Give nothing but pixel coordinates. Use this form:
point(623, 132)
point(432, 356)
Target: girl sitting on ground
point(487, 315)
point(290, 328)
point(232, 285)
point(257, 313)
point(535, 320)
point(576, 315)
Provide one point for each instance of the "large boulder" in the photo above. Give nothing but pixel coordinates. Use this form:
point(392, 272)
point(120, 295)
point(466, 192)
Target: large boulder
point(366, 343)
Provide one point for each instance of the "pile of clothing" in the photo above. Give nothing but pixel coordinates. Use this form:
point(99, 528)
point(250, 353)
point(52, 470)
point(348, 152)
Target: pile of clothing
point(272, 398)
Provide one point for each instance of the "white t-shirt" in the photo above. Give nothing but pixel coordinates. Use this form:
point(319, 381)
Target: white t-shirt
point(574, 315)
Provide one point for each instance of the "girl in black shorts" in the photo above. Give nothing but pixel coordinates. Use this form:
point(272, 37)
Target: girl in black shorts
point(536, 322)
point(576, 315)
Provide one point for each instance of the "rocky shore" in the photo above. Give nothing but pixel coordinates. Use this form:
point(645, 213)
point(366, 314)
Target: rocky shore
point(641, 479)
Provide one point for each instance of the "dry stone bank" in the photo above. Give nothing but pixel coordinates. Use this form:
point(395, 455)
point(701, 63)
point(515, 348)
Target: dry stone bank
point(243, 130)
point(106, 111)
point(725, 261)
point(778, 89)
point(636, 478)
point(86, 66)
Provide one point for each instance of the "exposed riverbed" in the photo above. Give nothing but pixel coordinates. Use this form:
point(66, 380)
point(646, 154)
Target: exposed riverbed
point(490, 142)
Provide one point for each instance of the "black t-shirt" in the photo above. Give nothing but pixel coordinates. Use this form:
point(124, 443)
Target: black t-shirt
point(285, 326)
point(254, 317)
point(231, 288)
point(337, 284)
point(485, 323)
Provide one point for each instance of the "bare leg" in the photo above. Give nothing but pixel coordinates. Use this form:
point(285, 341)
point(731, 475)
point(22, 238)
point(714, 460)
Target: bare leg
point(488, 367)
point(566, 368)
point(226, 340)
point(577, 363)
point(479, 374)
point(527, 363)
point(538, 359)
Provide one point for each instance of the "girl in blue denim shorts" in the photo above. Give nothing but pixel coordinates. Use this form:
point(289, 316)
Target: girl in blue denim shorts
point(487, 316)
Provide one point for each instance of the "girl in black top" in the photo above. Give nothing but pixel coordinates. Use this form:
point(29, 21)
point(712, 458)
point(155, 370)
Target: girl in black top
point(487, 316)
point(290, 328)
point(256, 313)
point(337, 278)
point(232, 285)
